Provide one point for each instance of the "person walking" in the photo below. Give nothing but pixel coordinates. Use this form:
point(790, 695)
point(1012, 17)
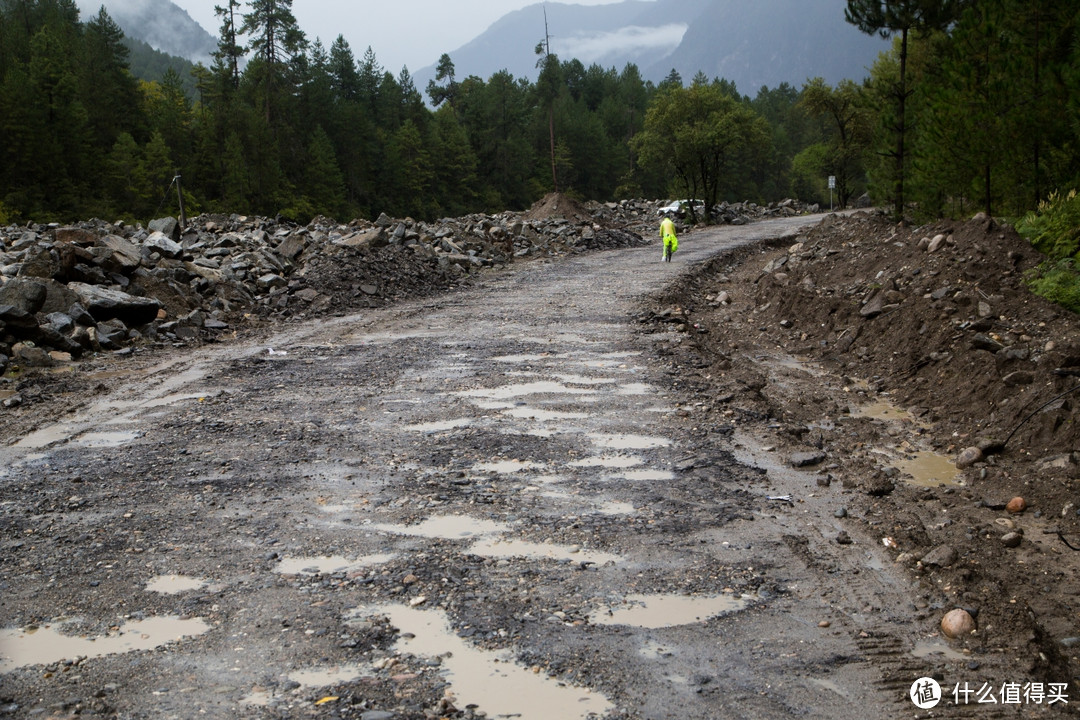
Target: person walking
point(671, 242)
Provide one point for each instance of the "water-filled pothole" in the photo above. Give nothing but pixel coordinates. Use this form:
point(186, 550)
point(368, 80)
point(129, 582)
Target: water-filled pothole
point(447, 527)
point(21, 647)
point(609, 461)
point(326, 564)
point(495, 548)
point(540, 387)
point(620, 441)
point(440, 426)
point(493, 681)
point(173, 584)
point(660, 611)
point(929, 469)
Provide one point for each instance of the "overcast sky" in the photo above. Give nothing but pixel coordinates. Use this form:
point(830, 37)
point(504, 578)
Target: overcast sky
point(412, 33)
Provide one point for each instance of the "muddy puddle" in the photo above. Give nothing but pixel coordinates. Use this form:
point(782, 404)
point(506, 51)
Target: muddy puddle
point(327, 564)
point(929, 469)
point(447, 527)
point(542, 387)
point(506, 467)
point(173, 584)
point(531, 413)
point(609, 461)
point(309, 678)
point(628, 442)
point(512, 548)
point(660, 611)
point(21, 647)
point(493, 681)
point(440, 426)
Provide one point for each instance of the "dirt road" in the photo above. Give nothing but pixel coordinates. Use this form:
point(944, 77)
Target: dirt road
point(492, 502)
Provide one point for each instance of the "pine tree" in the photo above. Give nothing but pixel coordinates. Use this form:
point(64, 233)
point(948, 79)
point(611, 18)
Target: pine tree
point(903, 17)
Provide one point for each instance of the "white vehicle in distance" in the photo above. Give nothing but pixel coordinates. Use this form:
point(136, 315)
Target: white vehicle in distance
point(678, 207)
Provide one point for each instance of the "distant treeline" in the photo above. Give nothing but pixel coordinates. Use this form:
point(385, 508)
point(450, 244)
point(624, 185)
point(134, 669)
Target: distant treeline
point(975, 110)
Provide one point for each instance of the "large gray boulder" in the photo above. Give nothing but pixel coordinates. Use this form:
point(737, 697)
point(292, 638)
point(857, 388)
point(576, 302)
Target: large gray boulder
point(105, 304)
point(167, 226)
point(26, 294)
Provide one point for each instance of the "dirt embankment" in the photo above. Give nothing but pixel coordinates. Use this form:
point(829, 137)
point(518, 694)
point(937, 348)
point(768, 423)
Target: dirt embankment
point(884, 356)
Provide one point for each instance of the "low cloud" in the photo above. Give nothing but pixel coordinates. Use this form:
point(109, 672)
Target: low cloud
point(630, 40)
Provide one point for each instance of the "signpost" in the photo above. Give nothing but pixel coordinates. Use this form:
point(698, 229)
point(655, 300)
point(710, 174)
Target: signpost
point(832, 186)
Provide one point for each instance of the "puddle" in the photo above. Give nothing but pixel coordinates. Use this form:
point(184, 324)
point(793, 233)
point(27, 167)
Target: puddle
point(505, 467)
point(830, 685)
point(653, 475)
point(327, 564)
point(628, 442)
point(613, 507)
point(493, 681)
point(441, 425)
point(493, 548)
point(635, 389)
point(173, 584)
point(585, 380)
point(526, 358)
point(46, 645)
point(609, 461)
point(930, 648)
point(528, 413)
point(929, 469)
point(108, 439)
point(448, 527)
point(660, 611)
point(882, 410)
point(533, 388)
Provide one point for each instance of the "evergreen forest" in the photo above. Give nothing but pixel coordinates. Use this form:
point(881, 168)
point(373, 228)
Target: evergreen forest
point(974, 108)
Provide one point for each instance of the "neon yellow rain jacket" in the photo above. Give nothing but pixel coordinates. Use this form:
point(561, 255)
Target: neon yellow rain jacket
point(667, 232)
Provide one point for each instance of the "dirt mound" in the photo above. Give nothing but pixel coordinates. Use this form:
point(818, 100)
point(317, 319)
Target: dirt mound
point(874, 352)
point(556, 205)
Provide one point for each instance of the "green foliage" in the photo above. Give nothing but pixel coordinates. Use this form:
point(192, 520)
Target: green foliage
point(1057, 282)
point(1054, 230)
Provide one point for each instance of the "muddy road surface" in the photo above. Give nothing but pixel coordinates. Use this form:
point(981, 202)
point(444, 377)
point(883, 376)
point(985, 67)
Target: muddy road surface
point(494, 503)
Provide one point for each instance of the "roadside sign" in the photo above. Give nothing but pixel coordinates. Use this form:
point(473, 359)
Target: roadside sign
point(832, 182)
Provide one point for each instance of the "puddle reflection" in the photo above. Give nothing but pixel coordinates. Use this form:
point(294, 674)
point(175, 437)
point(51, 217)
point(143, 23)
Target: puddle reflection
point(492, 681)
point(628, 442)
point(660, 611)
point(540, 551)
point(43, 646)
point(929, 469)
point(447, 527)
point(173, 584)
point(327, 564)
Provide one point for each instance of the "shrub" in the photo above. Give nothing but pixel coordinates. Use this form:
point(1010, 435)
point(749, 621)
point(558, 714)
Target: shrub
point(1054, 230)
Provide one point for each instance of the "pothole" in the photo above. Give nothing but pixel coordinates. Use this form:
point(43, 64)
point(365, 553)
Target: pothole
point(929, 469)
point(506, 467)
point(660, 611)
point(440, 426)
point(447, 527)
point(533, 388)
point(628, 442)
point(491, 680)
point(326, 564)
point(930, 648)
point(609, 461)
point(511, 548)
point(21, 647)
point(173, 584)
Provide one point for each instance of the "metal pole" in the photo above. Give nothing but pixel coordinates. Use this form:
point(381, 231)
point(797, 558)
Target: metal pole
point(180, 196)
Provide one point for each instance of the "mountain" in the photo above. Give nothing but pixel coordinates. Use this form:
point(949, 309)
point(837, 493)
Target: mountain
point(159, 23)
point(752, 44)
